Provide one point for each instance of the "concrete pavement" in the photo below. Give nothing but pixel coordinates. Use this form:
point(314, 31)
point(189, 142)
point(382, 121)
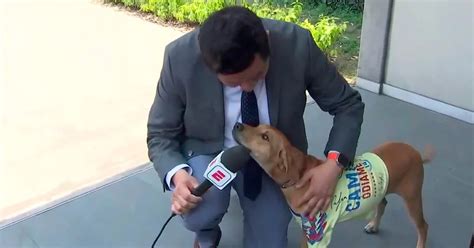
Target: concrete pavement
point(76, 81)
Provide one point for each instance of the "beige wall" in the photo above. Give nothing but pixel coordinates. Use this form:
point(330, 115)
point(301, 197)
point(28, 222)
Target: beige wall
point(431, 50)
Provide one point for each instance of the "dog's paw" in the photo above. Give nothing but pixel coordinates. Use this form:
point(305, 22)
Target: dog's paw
point(371, 228)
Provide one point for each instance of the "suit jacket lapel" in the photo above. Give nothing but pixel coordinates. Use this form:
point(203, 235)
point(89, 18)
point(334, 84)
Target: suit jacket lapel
point(273, 92)
point(219, 101)
point(272, 83)
point(216, 91)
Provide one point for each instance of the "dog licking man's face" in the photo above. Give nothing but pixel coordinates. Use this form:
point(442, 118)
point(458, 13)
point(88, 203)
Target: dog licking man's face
point(266, 146)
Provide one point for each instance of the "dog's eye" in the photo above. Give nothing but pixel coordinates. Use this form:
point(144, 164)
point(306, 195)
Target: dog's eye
point(265, 137)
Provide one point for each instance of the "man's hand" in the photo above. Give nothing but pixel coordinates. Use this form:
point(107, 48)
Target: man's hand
point(183, 200)
point(322, 180)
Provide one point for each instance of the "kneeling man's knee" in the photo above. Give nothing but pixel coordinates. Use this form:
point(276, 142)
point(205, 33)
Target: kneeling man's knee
point(209, 212)
point(201, 220)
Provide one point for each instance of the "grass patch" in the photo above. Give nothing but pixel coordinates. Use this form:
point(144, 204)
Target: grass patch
point(345, 50)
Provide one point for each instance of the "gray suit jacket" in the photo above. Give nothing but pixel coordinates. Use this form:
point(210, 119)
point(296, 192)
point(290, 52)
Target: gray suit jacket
point(187, 115)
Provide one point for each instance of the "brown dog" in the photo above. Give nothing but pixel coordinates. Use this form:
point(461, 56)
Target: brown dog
point(285, 165)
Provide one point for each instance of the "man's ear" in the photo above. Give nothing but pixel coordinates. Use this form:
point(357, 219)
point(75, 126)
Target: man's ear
point(283, 160)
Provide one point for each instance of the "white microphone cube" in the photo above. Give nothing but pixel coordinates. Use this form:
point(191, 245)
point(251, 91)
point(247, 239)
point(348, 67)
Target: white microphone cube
point(218, 174)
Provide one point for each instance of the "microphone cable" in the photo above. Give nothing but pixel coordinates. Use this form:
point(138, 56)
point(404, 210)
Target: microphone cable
point(162, 229)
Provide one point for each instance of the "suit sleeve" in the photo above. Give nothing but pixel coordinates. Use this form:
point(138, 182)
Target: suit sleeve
point(334, 95)
point(165, 123)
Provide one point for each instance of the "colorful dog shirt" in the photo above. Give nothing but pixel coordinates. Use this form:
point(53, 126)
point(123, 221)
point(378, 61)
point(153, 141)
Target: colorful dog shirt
point(359, 189)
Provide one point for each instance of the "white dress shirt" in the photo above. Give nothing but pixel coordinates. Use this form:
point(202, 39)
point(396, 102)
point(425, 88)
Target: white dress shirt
point(232, 98)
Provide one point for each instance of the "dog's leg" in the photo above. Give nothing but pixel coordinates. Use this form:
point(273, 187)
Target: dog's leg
point(374, 223)
point(410, 189)
point(415, 208)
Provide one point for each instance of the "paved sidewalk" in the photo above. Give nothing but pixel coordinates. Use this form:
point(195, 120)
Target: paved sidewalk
point(76, 82)
point(130, 212)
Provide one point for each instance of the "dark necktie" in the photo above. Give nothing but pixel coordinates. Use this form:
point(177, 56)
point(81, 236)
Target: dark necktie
point(252, 172)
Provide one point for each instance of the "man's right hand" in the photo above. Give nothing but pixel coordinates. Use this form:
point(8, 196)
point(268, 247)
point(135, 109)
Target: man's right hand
point(183, 200)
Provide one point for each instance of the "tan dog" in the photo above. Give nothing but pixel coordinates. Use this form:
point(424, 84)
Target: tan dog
point(286, 165)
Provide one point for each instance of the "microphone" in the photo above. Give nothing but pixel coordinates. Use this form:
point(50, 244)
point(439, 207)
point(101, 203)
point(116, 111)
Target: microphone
point(222, 169)
point(220, 172)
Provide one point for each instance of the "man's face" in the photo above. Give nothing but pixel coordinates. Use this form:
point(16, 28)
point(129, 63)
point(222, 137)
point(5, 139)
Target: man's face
point(248, 78)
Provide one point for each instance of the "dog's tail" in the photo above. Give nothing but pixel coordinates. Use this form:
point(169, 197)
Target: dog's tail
point(428, 154)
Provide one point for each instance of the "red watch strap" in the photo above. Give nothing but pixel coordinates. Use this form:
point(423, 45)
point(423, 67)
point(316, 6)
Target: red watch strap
point(333, 155)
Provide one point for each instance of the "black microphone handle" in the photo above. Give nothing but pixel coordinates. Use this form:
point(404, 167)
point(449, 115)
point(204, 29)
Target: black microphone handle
point(202, 188)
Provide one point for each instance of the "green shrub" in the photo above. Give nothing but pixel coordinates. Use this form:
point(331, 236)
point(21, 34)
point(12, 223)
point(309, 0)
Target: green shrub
point(272, 11)
point(353, 4)
point(162, 8)
point(131, 3)
point(324, 29)
point(197, 11)
point(325, 33)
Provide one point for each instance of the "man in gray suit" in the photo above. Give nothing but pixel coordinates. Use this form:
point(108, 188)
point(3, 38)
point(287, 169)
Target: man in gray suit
point(238, 67)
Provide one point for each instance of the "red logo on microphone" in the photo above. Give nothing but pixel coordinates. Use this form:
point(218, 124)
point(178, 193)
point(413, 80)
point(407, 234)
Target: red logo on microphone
point(218, 175)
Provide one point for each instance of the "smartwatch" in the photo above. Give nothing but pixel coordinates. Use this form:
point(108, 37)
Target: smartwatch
point(340, 159)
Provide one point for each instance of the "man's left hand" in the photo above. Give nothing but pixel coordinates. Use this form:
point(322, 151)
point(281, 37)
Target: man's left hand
point(322, 180)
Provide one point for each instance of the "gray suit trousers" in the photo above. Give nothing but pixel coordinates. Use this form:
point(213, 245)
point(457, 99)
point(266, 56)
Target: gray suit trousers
point(265, 220)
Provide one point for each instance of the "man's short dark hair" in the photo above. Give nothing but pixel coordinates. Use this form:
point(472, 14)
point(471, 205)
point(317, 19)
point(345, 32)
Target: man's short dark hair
point(230, 38)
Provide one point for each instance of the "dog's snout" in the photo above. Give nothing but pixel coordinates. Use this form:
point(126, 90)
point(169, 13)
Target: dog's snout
point(238, 126)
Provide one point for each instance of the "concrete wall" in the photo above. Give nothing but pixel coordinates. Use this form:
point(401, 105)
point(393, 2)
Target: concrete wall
point(431, 50)
point(375, 28)
point(420, 51)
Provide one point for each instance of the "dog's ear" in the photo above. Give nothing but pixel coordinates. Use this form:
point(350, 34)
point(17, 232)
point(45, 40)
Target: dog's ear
point(283, 159)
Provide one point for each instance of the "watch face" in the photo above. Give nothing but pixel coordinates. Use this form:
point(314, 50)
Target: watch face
point(343, 160)
point(339, 157)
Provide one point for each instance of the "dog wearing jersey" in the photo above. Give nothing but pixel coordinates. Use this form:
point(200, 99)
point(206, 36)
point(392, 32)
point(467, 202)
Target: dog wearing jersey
point(361, 189)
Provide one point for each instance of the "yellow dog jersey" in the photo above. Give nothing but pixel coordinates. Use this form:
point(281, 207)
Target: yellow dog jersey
point(359, 189)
